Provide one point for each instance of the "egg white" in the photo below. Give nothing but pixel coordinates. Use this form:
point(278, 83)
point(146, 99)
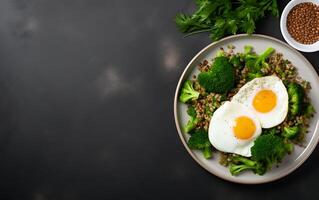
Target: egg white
point(221, 133)
point(247, 93)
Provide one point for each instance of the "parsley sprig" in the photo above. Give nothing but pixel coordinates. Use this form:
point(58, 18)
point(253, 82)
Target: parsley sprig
point(225, 17)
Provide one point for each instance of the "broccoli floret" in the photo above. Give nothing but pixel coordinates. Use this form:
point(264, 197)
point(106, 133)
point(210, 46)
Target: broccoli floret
point(251, 75)
point(191, 111)
point(220, 79)
point(220, 53)
point(271, 131)
point(248, 49)
point(296, 95)
point(199, 140)
point(289, 147)
point(188, 92)
point(208, 111)
point(235, 61)
point(192, 122)
point(309, 110)
point(291, 132)
point(256, 62)
point(240, 164)
point(262, 58)
point(207, 152)
point(270, 149)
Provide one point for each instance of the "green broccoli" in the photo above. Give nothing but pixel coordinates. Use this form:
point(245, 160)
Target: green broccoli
point(199, 140)
point(248, 49)
point(207, 152)
point(192, 122)
point(309, 110)
point(288, 146)
point(188, 92)
point(191, 111)
point(208, 111)
point(296, 96)
point(270, 149)
point(239, 164)
point(220, 53)
point(220, 79)
point(291, 132)
point(251, 75)
point(235, 61)
point(256, 62)
point(271, 131)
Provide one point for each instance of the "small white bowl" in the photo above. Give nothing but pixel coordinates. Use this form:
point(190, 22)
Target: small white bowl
point(283, 27)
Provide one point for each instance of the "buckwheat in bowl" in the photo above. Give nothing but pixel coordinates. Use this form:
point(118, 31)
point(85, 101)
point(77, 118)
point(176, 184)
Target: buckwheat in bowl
point(299, 25)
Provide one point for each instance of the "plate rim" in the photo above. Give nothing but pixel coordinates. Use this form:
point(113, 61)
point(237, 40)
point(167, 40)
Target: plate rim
point(309, 149)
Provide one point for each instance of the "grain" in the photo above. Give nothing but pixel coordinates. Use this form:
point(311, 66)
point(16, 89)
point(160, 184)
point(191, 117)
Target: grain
point(303, 23)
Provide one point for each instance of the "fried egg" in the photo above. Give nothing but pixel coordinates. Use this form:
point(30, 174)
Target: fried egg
point(233, 129)
point(267, 97)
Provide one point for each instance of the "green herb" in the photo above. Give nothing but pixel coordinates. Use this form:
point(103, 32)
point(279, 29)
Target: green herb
point(225, 17)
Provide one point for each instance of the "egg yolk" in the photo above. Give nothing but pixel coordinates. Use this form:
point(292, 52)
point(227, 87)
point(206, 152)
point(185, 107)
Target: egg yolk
point(264, 101)
point(244, 128)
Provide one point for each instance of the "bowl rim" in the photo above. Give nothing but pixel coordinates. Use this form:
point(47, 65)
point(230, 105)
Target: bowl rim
point(307, 152)
point(283, 21)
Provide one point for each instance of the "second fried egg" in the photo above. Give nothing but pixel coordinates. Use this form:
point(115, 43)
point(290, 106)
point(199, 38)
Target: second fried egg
point(233, 128)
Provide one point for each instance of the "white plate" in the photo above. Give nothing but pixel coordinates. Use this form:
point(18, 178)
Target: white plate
point(306, 71)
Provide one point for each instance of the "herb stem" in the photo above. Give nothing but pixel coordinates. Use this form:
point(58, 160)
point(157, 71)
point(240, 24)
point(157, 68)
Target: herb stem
point(196, 32)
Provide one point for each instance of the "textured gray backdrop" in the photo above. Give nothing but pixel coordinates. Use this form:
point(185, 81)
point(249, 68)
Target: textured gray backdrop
point(86, 106)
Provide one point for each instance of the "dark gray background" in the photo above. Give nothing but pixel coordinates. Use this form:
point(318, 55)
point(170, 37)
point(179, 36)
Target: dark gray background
point(86, 106)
